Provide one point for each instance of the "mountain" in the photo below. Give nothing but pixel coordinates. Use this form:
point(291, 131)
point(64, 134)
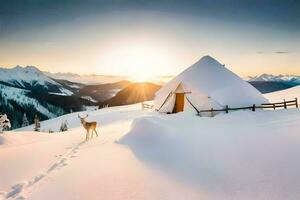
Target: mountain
point(266, 83)
point(102, 92)
point(31, 78)
point(292, 79)
point(29, 90)
point(16, 101)
point(133, 93)
point(270, 86)
point(91, 79)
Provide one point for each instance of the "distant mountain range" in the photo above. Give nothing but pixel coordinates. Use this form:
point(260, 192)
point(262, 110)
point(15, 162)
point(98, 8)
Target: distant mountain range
point(266, 83)
point(91, 79)
point(276, 78)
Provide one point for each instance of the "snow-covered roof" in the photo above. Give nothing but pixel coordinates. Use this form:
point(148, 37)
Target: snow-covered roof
point(208, 76)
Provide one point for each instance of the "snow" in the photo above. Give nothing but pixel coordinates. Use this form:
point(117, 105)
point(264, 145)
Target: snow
point(287, 94)
point(208, 84)
point(66, 92)
point(4, 123)
point(19, 96)
point(48, 166)
point(141, 154)
point(74, 86)
point(29, 75)
point(249, 155)
point(63, 92)
point(23, 75)
point(89, 79)
point(277, 78)
point(89, 99)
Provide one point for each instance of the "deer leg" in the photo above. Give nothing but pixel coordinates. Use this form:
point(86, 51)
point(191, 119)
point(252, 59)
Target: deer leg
point(87, 135)
point(96, 132)
point(92, 134)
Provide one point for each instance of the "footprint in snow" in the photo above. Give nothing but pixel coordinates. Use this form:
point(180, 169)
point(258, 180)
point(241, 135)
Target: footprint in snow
point(16, 190)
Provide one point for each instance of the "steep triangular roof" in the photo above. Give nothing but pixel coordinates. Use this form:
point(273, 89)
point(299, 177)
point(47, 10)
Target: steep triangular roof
point(209, 77)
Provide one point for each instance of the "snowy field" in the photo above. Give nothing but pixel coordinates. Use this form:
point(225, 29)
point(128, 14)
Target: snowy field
point(144, 155)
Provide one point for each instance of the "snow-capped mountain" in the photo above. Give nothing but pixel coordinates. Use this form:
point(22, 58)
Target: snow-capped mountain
point(278, 78)
point(29, 91)
point(94, 79)
point(266, 83)
point(90, 79)
point(31, 78)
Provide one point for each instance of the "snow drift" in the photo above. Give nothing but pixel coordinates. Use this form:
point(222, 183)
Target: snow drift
point(242, 155)
point(287, 94)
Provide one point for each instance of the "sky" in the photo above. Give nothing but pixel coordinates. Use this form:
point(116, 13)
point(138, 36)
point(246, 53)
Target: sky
point(142, 38)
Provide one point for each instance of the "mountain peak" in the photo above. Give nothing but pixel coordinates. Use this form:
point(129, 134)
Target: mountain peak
point(27, 69)
point(30, 78)
point(32, 68)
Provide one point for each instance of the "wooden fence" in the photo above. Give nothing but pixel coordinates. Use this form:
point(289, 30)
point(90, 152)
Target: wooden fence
point(146, 106)
point(285, 104)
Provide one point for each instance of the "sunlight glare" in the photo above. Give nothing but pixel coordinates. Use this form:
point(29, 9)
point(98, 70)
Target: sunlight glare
point(142, 62)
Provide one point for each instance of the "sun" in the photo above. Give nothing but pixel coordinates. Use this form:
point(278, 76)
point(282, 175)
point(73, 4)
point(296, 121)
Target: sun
point(142, 77)
point(142, 62)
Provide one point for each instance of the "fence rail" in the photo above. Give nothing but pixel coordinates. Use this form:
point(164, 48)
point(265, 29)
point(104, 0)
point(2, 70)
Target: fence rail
point(146, 106)
point(285, 104)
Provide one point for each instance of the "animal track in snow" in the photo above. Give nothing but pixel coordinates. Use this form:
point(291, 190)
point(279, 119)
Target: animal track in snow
point(21, 190)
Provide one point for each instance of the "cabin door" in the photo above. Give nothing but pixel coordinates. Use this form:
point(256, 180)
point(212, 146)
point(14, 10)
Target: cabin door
point(179, 103)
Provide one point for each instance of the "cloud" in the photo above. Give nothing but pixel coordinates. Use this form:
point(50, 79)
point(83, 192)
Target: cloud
point(277, 52)
point(282, 52)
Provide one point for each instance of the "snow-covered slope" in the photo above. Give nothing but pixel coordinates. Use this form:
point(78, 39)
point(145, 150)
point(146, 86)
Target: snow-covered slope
point(242, 155)
point(288, 94)
point(31, 78)
point(19, 97)
point(145, 155)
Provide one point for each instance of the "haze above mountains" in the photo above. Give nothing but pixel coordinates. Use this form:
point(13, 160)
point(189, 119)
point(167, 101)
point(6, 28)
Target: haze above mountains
point(90, 79)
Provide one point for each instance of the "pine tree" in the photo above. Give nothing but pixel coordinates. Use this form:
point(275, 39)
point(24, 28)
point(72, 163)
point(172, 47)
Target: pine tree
point(37, 124)
point(64, 126)
point(4, 123)
point(61, 127)
point(25, 121)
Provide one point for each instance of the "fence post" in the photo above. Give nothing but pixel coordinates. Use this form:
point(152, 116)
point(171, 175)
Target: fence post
point(274, 106)
point(212, 112)
point(253, 107)
point(296, 99)
point(226, 109)
point(284, 103)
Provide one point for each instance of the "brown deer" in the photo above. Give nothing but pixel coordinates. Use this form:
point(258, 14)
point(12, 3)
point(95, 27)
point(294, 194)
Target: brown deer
point(88, 126)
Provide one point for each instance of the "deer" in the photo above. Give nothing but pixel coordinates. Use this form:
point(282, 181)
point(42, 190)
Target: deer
point(88, 126)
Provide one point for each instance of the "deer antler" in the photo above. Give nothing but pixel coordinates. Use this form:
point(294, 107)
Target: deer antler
point(83, 117)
